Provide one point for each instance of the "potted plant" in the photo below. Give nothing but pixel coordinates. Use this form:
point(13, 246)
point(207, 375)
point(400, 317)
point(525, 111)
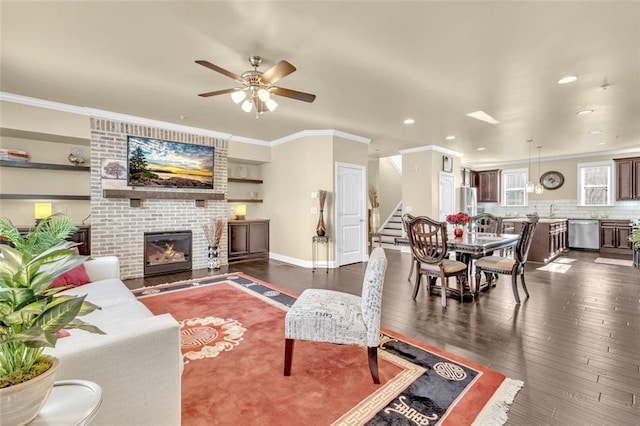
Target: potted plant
point(32, 314)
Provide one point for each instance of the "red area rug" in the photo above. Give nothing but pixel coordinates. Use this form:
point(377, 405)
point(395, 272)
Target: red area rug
point(233, 349)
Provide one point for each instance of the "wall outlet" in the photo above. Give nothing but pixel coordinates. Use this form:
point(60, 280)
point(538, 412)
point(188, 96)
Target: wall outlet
point(314, 210)
point(314, 195)
point(409, 209)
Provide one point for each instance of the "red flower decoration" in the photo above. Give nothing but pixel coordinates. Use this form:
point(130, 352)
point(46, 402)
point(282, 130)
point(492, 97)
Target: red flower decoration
point(459, 218)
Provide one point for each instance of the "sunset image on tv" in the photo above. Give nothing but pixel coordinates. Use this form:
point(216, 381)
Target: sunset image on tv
point(155, 162)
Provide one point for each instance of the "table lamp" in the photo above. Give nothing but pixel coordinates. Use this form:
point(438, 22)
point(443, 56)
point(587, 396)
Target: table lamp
point(241, 211)
point(41, 211)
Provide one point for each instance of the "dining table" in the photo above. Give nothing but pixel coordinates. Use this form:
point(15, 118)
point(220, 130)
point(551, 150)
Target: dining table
point(470, 246)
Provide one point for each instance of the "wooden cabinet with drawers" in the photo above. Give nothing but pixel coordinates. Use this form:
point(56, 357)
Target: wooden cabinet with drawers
point(614, 236)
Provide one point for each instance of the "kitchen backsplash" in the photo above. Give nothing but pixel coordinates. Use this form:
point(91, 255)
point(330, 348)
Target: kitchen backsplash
point(566, 209)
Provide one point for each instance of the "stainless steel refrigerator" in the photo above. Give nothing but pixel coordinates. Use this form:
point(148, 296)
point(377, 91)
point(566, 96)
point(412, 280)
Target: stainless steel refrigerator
point(468, 198)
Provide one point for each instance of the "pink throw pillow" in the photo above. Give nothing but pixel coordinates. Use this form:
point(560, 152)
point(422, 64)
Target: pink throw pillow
point(75, 277)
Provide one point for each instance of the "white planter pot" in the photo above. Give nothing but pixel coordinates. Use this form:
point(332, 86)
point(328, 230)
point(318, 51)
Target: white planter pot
point(20, 404)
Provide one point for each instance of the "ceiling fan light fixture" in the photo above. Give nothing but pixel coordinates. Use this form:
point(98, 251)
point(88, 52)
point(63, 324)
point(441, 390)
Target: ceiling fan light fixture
point(271, 104)
point(247, 106)
point(264, 95)
point(238, 96)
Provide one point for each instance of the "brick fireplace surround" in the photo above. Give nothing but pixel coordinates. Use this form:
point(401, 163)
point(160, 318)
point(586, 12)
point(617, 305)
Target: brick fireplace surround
point(118, 229)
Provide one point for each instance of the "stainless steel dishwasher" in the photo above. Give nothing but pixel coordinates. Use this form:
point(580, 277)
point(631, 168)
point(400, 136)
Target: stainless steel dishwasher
point(584, 234)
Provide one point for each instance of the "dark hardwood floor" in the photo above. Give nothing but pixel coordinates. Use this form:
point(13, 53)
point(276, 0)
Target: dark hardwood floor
point(575, 342)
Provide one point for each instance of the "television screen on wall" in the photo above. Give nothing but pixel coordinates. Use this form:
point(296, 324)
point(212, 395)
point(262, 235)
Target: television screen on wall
point(160, 163)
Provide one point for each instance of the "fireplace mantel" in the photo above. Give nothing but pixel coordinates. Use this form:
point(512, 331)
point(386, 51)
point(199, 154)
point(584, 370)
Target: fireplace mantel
point(136, 196)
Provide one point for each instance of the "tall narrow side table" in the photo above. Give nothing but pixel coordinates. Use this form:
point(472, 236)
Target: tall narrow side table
point(316, 241)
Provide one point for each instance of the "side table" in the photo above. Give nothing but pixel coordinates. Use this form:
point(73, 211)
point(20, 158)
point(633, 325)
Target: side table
point(71, 402)
point(315, 241)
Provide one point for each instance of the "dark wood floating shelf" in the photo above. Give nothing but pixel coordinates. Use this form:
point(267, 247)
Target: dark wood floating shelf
point(44, 197)
point(247, 200)
point(240, 180)
point(47, 166)
point(135, 196)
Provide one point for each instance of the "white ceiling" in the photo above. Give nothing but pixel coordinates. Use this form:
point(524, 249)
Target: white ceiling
point(371, 64)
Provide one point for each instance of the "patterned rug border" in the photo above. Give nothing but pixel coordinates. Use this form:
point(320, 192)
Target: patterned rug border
point(494, 410)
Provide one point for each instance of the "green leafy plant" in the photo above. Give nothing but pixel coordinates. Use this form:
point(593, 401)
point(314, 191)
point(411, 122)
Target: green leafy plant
point(635, 237)
point(47, 233)
point(31, 313)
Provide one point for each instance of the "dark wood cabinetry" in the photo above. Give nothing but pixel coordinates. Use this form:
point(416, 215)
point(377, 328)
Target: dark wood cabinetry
point(614, 236)
point(628, 179)
point(550, 239)
point(469, 177)
point(248, 239)
point(488, 184)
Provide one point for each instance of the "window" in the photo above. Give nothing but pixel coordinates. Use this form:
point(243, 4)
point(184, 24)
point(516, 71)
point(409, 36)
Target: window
point(514, 192)
point(595, 182)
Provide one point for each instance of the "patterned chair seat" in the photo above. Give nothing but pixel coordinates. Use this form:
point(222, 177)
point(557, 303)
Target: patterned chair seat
point(449, 266)
point(496, 264)
point(327, 316)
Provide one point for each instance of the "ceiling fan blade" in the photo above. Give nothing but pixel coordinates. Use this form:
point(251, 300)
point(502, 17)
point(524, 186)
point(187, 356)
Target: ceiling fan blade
point(276, 72)
point(293, 94)
point(216, 68)
point(217, 92)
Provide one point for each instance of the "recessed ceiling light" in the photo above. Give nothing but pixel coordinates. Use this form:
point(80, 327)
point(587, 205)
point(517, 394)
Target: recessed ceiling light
point(450, 138)
point(483, 116)
point(595, 132)
point(409, 121)
point(584, 111)
point(481, 149)
point(567, 79)
point(601, 143)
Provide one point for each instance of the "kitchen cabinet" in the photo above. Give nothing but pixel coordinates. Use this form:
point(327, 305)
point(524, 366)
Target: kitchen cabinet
point(248, 239)
point(549, 239)
point(488, 184)
point(614, 236)
point(468, 177)
point(627, 179)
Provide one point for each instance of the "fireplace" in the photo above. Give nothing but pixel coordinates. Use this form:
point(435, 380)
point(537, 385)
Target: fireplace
point(167, 252)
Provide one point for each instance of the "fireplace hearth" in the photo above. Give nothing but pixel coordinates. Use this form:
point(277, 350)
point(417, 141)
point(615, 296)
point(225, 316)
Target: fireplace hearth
point(167, 252)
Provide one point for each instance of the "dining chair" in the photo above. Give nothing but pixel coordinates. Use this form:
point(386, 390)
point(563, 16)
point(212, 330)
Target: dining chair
point(428, 241)
point(510, 266)
point(406, 218)
point(486, 222)
point(331, 316)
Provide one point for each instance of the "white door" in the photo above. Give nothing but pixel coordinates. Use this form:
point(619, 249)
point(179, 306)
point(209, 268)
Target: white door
point(351, 239)
point(446, 195)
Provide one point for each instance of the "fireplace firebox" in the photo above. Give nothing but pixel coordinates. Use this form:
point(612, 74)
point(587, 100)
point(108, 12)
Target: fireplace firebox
point(167, 252)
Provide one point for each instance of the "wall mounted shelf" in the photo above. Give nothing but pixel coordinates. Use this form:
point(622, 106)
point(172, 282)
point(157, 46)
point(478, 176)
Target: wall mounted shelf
point(246, 200)
point(135, 196)
point(45, 166)
point(240, 180)
point(44, 197)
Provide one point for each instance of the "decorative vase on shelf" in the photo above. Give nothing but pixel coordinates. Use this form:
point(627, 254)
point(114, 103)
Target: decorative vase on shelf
point(213, 260)
point(321, 229)
point(458, 231)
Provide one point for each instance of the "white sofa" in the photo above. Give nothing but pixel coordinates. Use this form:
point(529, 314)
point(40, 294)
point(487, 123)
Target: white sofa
point(137, 363)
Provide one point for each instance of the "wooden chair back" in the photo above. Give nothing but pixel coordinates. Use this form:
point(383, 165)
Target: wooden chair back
point(428, 239)
point(406, 218)
point(486, 222)
point(526, 238)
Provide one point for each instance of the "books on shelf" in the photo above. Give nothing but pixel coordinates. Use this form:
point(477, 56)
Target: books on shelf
point(13, 155)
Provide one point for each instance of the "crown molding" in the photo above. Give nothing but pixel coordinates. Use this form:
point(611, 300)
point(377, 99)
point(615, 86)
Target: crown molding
point(432, 148)
point(326, 132)
point(251, 141)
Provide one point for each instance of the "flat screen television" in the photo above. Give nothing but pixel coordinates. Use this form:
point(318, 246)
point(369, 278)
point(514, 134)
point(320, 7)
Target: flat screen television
point(160, 163)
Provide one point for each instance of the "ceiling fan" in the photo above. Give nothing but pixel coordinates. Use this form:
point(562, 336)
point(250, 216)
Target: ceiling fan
point(257, 86)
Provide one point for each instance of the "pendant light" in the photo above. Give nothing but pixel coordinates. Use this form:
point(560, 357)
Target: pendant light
point(530, 185)
point(538, 188)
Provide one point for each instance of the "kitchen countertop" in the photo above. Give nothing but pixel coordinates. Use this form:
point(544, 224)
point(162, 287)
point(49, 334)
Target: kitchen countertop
point(540, 220)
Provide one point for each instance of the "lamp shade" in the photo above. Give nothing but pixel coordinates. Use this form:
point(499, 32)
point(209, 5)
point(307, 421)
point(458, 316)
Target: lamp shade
point(247, 105)
point(238, 96)
point(241, 211)
point(42, 210)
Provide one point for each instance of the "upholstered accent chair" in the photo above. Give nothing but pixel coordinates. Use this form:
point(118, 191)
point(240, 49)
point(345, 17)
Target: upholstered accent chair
point(510, 266)
point(428, 241)
point(330, 316)
point(406, 218)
